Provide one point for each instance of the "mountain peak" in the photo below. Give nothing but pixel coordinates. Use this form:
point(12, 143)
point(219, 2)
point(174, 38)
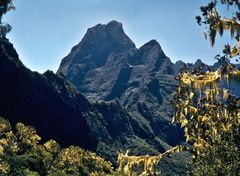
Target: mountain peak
point(96, 46)
point(114, 23)
point(111, 33)
point(198, 62)
point(153, 46)
point(153, 42)
point(111, 26)
point(180, 62)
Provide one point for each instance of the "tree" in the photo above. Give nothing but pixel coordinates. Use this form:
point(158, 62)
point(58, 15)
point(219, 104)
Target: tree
point(216, 23)
point(5, 6)
point(209, 112)
point(126, 162)
point(22, 154)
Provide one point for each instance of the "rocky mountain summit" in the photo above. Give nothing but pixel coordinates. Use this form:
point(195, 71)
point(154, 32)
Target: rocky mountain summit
point(58, 111)
point(105, 55)
point(107, 66)
point(118, 97)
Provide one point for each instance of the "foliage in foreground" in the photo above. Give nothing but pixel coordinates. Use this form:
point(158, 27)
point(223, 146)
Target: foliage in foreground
point(127, 163)
point(21, 154)
point(210, 117)
point(5, 6)
point(208, 112)
point(217, 22)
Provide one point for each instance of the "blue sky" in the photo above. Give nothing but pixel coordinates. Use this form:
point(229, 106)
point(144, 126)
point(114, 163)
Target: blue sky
point(44, 31)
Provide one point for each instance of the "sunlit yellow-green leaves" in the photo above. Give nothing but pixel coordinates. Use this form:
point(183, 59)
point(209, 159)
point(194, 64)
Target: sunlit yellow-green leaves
point(126, 162)
point(22, 154)
point(216, 21)
point(210, 118)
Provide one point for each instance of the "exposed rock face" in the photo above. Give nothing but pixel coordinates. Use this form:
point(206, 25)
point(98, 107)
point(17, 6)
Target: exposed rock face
point(100, 44)
point(129, 89)
point(58, 111)
point(191, 66)
point(106, 65)
point(44, 101)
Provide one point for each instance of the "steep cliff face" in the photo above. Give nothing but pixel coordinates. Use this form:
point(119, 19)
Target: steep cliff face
point(46, 101)
point(129, 91)
point(110, 67)
point(57, 110)
point(99, 46)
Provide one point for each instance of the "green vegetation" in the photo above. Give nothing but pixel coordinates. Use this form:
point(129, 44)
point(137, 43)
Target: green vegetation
point(210, 117)
point(5, 6)
point(216, 23)
point(210, 114)
point(22, 154)
point(126, 162)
